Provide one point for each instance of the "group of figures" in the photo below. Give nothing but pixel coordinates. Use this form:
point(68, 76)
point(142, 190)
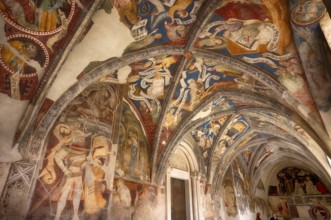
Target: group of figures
point(297, 182)
point(75, 170)
point(27, 47)
point(78, 158)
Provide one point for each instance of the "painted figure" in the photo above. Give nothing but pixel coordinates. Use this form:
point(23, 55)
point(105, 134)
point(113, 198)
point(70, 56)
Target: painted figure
point(96, 175)
point(134, 156)
point(156, 89)
point(230, 199)
point(70, 159)
point(245, 36)
point(23, 11)
point(298, 190)
point(18, 54)
point(179, 6)
point(310, 187)
point(76, 160)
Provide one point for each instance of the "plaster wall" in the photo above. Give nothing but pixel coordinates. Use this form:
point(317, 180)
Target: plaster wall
point(13, 110)
point(100, 43)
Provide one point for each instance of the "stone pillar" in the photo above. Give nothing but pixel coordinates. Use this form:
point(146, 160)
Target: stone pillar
point(197, 211)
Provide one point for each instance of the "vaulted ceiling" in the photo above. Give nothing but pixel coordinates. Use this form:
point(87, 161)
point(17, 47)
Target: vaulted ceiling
point(232, 79)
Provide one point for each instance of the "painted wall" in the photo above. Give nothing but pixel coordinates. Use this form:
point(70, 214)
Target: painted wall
point(298, 193)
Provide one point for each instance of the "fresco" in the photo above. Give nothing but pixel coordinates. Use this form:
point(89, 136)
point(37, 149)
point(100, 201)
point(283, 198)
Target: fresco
point(319, 212)
point(243, 188)
point(133, 201)
point(294, 181)
point(236, 128)
point(208, 203)
point(307, 12)
point(199, 79)
point(305, 16)
point(157, 22)
point(264, 152)
point(148, 83)
point(247, 156)
point(229, 196)
point(280, 206)
point(260, 185)
point(42, 17)
point(248, 28)
point(31, 32)
point(23, 59)
point(75, 179)
point(219, 104)
point(147, 87)
point(261, 206)
point(230, 153)
point(206, 134)
point(256, 33)
point(133, 158)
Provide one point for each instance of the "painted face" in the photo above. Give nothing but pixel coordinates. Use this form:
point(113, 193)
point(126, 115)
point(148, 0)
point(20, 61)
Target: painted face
point(30, 49)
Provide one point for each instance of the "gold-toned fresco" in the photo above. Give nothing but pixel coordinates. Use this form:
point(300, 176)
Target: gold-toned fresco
point(24, 59)
point(75, 178)
point(133, 157)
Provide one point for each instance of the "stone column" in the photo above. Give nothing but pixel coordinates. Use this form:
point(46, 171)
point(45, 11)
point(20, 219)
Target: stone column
point(195, 179)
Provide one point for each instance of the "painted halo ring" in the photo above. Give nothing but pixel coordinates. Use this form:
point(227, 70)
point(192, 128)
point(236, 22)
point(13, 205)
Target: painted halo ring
point(40, 33)
point(42, 49)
